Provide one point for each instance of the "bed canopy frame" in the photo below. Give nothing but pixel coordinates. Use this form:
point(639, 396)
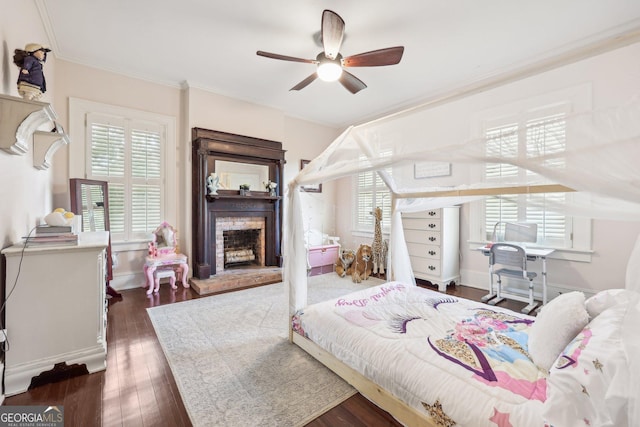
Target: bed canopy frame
point(599, 165)
point(597, 169)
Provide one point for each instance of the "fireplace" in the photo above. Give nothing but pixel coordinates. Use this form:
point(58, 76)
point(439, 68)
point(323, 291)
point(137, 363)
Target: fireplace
point(239, 242)
point(216, 215)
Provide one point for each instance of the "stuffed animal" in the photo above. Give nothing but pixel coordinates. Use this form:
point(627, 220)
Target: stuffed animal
point(361, 267)
point(378, 255)
point(344, 261)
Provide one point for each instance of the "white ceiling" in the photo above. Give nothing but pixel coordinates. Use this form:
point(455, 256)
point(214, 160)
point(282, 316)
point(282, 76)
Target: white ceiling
point(212, 44)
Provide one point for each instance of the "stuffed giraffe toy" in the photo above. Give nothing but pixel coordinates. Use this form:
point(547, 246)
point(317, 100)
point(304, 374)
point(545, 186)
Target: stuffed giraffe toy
point(377, 247)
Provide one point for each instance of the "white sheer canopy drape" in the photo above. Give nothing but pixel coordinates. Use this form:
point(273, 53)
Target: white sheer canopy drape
point(600, 161)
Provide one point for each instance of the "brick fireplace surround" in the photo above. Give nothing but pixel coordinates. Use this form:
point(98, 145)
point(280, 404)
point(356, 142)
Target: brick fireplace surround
point(212, 214)
point(235, 224)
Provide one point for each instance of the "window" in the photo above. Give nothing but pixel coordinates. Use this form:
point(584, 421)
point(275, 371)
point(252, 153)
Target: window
point(371, 192)
point(128, 149)
point(542, 135)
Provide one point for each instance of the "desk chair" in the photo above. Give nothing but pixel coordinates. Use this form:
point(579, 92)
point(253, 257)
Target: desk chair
point(506, 259)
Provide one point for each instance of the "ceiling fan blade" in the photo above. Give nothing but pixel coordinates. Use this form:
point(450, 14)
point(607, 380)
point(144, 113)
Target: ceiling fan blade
point(285, 58)
point(332, 33)
point(388, 56)
point(305, 82)
point(351, 82)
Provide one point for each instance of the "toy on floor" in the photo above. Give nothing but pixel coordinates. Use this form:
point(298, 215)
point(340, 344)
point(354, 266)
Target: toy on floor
point(344, 261)
point(377, 247)
point(361, 268)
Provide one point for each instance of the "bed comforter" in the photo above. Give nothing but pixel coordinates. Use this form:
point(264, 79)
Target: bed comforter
point(461, 362)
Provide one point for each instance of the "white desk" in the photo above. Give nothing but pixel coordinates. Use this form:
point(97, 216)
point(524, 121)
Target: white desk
point(532, 255)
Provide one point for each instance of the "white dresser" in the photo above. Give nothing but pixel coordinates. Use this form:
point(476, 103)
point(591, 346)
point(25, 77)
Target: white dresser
point(433, 242)
point(57, 310)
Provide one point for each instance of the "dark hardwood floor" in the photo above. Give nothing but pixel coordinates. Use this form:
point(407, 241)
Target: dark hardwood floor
point(138, 389)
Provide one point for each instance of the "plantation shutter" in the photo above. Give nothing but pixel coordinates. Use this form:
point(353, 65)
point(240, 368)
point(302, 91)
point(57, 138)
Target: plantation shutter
point(371, 192)
point(128, 155)
point(511, 140)
point(549, 133)
point(145, 177)
point(501, 141)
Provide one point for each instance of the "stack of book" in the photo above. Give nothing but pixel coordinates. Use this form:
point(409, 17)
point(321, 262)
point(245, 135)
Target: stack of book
point(55, 235)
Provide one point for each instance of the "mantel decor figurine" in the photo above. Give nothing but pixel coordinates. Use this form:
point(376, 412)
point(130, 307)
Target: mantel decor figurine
point(271, 188)
point(213, 183)
point(31, 81)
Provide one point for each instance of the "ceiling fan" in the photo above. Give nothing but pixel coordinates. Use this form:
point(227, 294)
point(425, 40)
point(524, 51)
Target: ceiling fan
point(330, 62)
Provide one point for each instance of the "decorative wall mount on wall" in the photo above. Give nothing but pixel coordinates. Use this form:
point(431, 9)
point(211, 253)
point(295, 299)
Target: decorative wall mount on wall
point(19, 123)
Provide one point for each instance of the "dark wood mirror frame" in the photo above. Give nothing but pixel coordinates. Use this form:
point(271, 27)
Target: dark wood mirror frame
point(76, 187)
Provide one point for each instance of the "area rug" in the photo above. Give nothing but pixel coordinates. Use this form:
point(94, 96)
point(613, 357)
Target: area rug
point(232, 361)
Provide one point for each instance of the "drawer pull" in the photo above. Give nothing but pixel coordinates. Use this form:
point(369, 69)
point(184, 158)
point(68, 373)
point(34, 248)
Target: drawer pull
point(432, 213)
point(432, 252)
point(432, 239)
point(432, 225)
point(431, 267)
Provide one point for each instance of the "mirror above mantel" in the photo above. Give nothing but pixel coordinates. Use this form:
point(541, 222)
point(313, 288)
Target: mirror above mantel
point(234, 174)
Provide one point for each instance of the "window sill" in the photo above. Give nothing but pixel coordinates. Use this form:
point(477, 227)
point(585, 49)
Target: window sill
point(563, 254)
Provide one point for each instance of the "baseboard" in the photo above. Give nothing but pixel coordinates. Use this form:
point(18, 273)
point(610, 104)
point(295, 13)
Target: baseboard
point(122, 282)
point(17, 378)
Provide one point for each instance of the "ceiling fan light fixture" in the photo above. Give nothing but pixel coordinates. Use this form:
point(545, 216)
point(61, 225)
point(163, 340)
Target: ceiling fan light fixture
point(329, 71)
point(330, 62)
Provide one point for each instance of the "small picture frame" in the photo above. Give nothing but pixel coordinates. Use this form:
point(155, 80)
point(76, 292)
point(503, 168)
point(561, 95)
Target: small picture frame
point(431, 169)
point(316, 188)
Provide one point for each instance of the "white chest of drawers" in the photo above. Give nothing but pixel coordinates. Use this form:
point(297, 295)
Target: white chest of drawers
point(433, 243)
point(56, 312)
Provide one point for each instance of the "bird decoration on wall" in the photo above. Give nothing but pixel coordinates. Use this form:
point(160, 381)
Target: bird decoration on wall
point(330, 63)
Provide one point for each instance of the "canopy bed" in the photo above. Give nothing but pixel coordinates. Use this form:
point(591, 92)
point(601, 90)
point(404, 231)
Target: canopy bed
point(349, 335)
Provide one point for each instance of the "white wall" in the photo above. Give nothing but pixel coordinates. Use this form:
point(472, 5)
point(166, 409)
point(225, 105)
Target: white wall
point(25, 191)
point(305, 140)
point(30, 194)
point(301, 140)
point(612, 78)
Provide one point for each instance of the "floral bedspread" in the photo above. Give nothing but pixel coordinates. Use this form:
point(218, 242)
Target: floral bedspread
point(462, 362)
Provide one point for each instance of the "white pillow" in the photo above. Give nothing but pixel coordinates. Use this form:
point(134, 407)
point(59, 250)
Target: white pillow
point(603, 300)
point(589, 383)
point(556, 325)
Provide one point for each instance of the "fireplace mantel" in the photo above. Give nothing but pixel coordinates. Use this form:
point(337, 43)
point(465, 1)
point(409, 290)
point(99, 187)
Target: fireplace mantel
point(255, 195)
point(209, 146)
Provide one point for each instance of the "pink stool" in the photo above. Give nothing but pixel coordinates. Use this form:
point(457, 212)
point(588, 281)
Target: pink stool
point(162, 274)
